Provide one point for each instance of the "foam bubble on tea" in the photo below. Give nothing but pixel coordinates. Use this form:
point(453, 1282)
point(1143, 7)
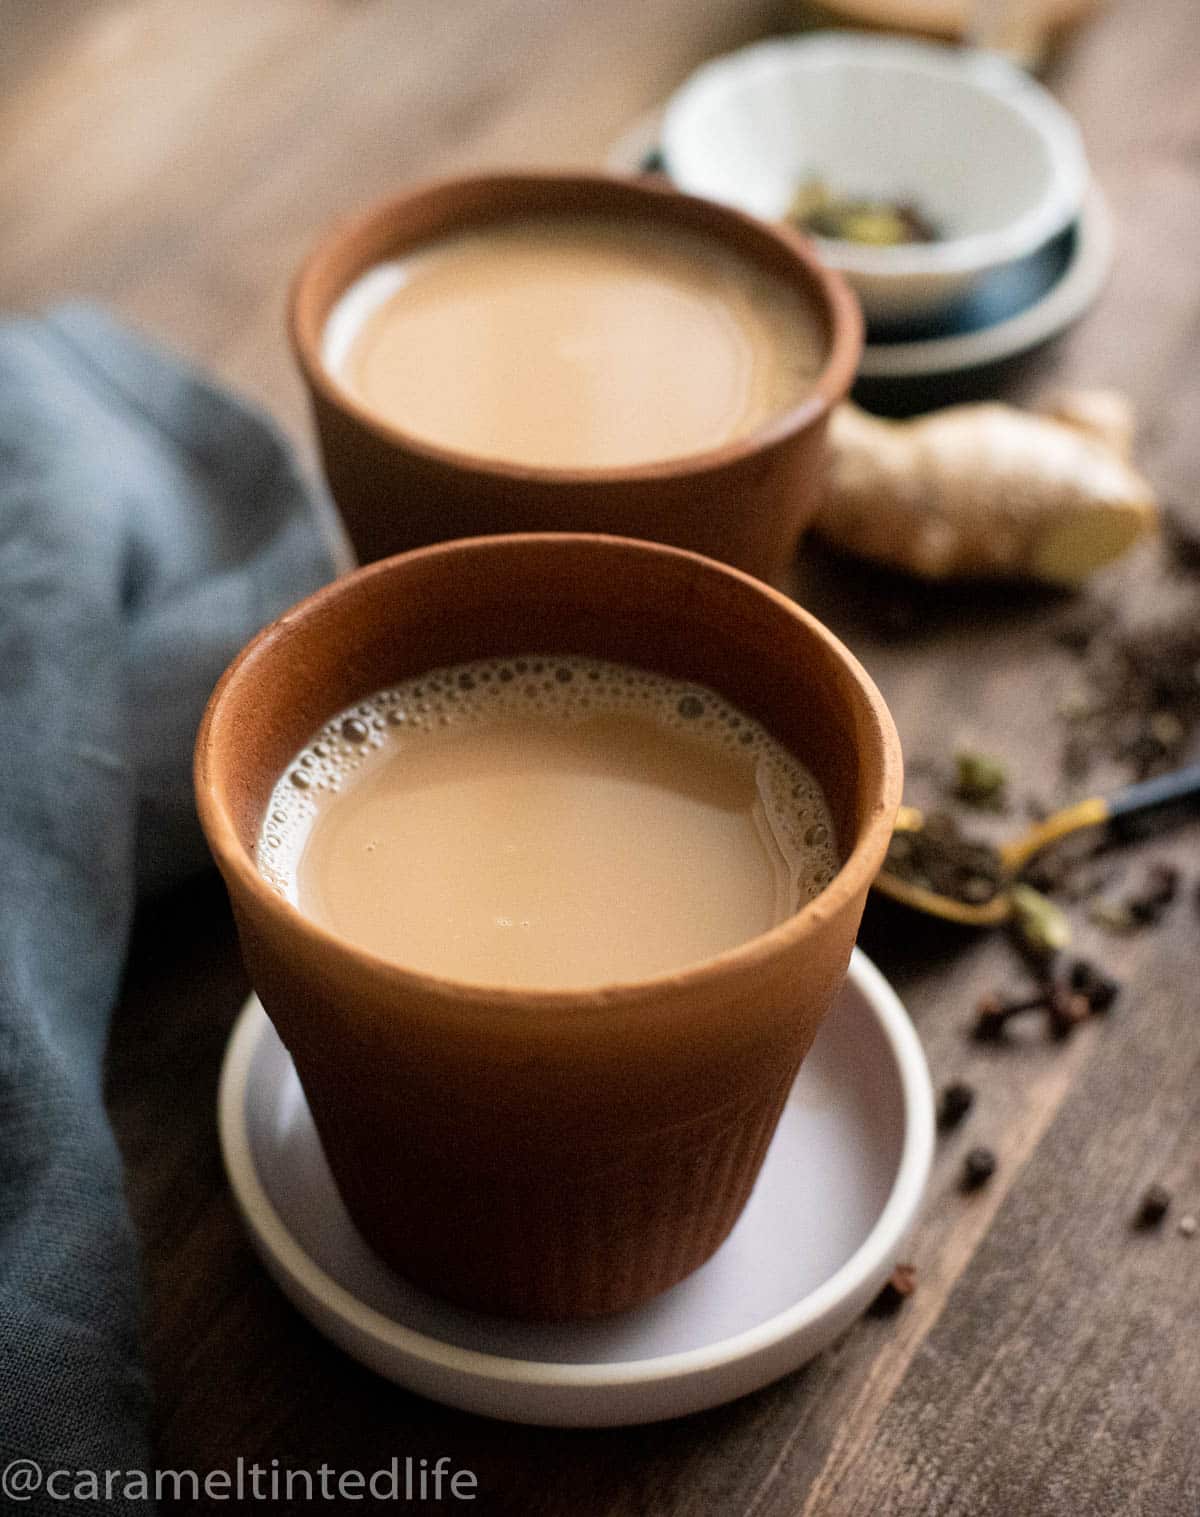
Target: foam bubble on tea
point(546, 822)
point(575, 342)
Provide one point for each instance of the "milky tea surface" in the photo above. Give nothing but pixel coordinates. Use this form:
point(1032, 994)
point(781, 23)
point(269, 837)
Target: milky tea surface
point(575, 342)
point(546, 822)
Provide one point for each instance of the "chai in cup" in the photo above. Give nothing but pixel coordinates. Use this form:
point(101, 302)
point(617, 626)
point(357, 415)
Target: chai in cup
point(546, 821)
point(516, 1145)
point(577, 342)
point(572, 352)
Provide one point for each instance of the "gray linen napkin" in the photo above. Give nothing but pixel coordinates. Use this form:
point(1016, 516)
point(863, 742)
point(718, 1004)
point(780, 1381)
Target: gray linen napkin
point(149, 525)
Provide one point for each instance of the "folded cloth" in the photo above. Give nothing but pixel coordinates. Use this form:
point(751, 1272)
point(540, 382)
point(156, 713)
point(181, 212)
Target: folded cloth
point(149, 525)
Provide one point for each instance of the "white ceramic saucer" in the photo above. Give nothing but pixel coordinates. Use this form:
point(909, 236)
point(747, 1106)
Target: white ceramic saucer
point(1014, 310)
point(823, 1229)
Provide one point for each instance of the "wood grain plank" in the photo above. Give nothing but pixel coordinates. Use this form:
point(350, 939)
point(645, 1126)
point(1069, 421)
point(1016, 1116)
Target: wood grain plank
point(1063, 1374)
point(176, 161)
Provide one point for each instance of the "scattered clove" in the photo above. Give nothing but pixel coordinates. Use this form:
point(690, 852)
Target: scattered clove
point(1100, 989)
point(1066, 1001)
point(897, 1290)
point(978, 1168)
point(1081, 975)
point(1188, 1225)
point(1067, 1008)
point(992, 1014)
point(1153, 1207)
point(954, 1103)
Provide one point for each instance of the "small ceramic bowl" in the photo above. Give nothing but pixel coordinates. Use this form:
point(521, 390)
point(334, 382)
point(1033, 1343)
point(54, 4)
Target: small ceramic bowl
point(745, 502)
point(983, 151)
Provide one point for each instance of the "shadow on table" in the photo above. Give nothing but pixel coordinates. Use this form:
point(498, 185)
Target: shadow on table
point(903, 942)
point(927, 392)
point(860, 600)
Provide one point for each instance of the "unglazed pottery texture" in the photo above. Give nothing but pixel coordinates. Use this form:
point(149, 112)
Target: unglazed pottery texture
point(547, 1153)
point(745, 503)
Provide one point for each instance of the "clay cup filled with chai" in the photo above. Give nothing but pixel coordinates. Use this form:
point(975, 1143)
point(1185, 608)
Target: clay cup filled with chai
point(547, 854)
point(572, 352)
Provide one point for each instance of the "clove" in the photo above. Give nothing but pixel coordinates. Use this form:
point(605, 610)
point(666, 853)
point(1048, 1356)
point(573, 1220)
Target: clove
point(1153, 1207)
point(992, 1014)
point(1067, 1009)
point(954, 1103)
point(978, 1168)
point(1067, 1001)
point(1100, 989)
point(896, 1291)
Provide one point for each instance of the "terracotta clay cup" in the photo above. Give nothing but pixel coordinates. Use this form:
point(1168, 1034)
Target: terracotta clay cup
point(746, 502)
point(547, 1153)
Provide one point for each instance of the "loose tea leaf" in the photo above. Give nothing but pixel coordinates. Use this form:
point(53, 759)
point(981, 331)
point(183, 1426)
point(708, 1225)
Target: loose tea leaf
point(941, 858)
point(1141, 705)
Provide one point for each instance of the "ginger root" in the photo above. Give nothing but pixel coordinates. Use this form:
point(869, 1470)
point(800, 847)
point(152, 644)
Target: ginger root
point(987, 490)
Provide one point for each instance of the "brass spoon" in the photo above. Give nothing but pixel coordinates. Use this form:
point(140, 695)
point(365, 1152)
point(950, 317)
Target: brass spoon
point(1096, 811)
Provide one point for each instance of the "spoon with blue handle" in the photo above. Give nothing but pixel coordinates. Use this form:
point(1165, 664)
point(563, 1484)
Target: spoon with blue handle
point(1097, 811)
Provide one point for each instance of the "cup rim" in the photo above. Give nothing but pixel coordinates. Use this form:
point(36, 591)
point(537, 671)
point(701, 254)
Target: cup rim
point(828, 288)
point(743, 959)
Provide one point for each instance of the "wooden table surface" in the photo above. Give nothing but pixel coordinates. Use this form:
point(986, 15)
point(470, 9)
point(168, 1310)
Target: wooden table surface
point(175, 160)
